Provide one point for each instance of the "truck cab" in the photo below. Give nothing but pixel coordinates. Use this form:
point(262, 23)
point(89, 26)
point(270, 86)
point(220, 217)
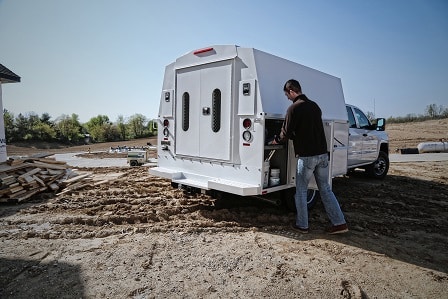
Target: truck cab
point(368, 144)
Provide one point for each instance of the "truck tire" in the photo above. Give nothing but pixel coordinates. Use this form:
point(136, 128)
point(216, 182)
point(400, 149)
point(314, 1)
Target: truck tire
point(290, 202)
point(133, 163)
point(380, 167)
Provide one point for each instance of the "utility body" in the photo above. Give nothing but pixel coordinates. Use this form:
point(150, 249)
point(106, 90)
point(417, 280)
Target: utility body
point(222, 105)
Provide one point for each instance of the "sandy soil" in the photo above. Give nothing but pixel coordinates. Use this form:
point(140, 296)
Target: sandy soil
point(138, 238)
point(409, 135)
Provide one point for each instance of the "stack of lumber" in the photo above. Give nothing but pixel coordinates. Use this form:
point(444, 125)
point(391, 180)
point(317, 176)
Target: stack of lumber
point(22, 178)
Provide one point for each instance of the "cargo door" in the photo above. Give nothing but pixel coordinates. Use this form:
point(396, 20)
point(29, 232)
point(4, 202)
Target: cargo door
point(203, 111)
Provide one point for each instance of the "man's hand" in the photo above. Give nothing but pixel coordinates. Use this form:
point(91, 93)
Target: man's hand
point(274, 141)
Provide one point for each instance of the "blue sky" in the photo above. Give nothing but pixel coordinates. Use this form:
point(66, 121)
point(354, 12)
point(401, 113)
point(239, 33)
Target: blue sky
point(107, 57)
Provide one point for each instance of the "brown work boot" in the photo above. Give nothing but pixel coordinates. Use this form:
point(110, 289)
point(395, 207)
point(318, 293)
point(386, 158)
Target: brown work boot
point(298, 229)
point(338, 229)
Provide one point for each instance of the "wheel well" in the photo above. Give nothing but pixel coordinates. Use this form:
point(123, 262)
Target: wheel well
point(385, 148)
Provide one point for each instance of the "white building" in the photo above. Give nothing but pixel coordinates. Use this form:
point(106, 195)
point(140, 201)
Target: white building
point(6, 76)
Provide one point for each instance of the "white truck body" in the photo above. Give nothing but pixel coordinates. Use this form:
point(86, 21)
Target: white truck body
point(208, 99)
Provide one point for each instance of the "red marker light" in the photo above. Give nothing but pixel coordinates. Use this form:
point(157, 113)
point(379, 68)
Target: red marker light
point(247, 123)
point(200, 51)
point(166, 123)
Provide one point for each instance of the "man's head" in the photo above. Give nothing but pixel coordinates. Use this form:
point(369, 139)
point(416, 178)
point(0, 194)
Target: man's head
point(292, 89)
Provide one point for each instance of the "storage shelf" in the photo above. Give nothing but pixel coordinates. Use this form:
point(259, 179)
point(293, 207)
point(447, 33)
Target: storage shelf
point(274, 147)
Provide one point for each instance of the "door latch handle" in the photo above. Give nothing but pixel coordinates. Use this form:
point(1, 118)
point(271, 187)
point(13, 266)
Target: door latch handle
point(205, 110)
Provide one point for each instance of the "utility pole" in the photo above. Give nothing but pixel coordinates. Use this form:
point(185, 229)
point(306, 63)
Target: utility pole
point(374, 112)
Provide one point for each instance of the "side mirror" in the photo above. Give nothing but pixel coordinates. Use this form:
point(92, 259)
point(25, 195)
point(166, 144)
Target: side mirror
point(380, 124)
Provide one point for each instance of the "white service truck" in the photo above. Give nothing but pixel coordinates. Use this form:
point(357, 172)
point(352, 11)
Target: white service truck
point(221, 105)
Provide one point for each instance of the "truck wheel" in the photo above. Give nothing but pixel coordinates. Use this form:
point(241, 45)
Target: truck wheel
point(289, 198)
point(133, 163)
point(380, 167)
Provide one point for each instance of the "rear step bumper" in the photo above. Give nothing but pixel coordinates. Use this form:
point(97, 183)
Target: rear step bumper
point(205, 182)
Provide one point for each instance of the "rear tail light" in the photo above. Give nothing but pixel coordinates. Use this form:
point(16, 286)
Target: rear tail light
point(166, 123)
point(247, 123)
point(247, 135)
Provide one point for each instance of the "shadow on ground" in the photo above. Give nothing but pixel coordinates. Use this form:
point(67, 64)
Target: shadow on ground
point(36, 279)
point(400, 217)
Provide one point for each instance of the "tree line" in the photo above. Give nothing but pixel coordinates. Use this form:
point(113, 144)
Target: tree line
point(432, 111)
point(68, 129)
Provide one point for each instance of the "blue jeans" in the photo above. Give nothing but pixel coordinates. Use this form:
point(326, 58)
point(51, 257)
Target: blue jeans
point(306, 167)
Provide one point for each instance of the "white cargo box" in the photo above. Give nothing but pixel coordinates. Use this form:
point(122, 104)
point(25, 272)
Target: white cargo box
point(219, 108)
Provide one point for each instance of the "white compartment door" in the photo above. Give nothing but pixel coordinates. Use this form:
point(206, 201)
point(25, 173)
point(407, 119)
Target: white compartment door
point(203, 111)
point(188, 106)
point(216, 99)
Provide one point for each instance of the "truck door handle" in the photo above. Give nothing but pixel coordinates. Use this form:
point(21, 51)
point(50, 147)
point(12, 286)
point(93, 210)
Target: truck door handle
point(205, 110)
point(365, 135)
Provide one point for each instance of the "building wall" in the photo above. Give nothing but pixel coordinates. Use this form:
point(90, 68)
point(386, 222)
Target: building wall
point(3, 155)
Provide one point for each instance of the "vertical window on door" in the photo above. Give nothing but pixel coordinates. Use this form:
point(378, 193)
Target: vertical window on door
point(351, 118)
point(185, 111)
point(216, 110)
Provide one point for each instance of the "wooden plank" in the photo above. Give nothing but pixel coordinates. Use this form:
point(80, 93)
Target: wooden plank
point(54, 186)
point(31, 172)
point(55, 172)
point(4, 191)
point(74, 187)
point(76, 178)
point(15, 194)
point(50, 166)
point(47, 160)
point(38, 180)
point(14, 162)
point(101, 182)
point(25, 179)
point(29, 194)
point(14, 185)
point(6, 168)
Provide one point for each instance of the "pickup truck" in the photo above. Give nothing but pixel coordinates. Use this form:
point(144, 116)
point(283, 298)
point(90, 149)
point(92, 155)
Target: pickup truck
point(220, 106)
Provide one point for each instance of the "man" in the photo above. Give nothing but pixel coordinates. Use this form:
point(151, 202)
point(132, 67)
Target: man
point(303, 125)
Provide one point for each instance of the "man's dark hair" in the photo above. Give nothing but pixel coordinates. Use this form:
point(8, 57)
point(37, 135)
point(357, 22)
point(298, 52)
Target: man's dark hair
point(293, 85)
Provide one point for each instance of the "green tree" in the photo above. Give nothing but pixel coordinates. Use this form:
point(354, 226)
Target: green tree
point(10, 128)
point(46, 119)
point(22, 127)
point(433, 111)
point(97, 127)
point(137, 125)
point(112, 133)
point(44, 132)
point(68, 128)
point(122, 127)
point(152, 127)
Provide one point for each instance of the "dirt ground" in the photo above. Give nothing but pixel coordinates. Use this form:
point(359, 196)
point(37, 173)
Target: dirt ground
point(136, 237)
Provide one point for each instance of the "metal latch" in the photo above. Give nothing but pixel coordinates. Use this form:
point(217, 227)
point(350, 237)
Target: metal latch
point(205, 110)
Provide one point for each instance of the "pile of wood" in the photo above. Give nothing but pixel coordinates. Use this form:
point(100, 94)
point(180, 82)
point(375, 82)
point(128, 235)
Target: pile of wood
point(20, 179)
